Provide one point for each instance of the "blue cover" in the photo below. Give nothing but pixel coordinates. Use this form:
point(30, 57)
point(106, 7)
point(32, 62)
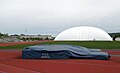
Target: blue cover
point(61, 52)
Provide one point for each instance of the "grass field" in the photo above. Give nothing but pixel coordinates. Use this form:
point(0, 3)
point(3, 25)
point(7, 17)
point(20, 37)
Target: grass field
point(89, 44)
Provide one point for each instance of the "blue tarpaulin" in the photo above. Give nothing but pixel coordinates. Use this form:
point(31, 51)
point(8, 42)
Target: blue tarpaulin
point(61, 52)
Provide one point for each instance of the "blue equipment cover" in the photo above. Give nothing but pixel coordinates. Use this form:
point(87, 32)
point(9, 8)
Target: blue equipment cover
point(62, 52)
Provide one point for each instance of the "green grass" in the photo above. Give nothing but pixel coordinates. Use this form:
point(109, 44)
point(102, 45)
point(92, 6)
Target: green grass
point(20, 46)
point(89, 44)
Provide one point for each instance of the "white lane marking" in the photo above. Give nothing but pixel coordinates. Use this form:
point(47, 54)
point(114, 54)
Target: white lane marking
point(81, 63)
point(2, 71)
point(19, 68)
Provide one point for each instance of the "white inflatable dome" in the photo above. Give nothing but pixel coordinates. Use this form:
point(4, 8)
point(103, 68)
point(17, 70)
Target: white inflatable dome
point(83, 33)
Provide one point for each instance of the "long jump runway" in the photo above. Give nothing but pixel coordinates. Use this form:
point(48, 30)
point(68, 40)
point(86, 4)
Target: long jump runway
point(11, 62)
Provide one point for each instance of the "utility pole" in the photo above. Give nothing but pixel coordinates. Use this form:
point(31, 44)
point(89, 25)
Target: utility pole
point(25, 31)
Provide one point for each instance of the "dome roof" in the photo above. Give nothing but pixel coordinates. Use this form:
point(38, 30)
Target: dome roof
point(83, 33)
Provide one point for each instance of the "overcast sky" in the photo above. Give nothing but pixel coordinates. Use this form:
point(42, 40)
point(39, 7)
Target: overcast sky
point(54, 16)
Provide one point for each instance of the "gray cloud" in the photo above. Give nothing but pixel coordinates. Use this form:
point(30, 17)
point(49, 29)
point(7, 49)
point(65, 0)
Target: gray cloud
point(52, 16)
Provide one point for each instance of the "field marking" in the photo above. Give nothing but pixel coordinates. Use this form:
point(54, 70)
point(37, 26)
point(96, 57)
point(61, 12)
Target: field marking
point(2, 71)
point(20, 68)
point(83, 64)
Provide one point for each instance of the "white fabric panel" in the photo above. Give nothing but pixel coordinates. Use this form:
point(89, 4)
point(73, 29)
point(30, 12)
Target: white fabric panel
point(83, 33)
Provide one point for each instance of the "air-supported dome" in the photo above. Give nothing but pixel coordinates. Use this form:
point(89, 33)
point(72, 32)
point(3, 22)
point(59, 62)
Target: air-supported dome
point(83, 33)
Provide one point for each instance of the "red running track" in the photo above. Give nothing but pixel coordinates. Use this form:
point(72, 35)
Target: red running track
point(16, 43)
point(11, 62)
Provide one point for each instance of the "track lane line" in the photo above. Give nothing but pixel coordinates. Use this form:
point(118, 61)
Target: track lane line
point(2, 71)
point(83, 64)
point(19, 68)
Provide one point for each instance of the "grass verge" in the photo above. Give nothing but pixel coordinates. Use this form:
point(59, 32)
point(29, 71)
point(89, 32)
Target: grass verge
point(89, 44)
